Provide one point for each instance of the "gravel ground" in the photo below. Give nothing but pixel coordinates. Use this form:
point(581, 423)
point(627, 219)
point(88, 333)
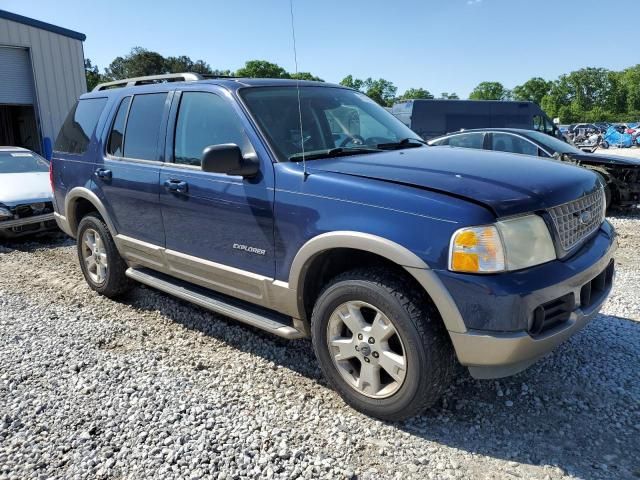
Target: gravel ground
point(633, 152)
point(150, 387)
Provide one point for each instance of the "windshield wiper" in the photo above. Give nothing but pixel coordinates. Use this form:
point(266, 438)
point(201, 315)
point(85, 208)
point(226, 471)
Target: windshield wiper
point(409, 142)
point(332, 153)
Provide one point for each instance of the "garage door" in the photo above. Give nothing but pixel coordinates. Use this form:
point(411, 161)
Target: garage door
point(16, 78)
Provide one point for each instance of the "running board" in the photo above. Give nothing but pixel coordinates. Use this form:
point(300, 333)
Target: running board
point(249, 314)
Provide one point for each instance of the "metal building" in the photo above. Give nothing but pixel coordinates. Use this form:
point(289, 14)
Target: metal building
point(41, 76)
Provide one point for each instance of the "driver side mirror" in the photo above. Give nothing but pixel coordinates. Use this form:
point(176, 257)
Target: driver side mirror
point(227, 158)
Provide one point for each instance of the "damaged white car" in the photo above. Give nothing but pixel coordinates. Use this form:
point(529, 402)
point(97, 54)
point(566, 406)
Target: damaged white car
point(25, 193)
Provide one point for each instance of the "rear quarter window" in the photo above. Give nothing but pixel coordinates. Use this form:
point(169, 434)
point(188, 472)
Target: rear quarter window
point(75, 135)
point(143, 126)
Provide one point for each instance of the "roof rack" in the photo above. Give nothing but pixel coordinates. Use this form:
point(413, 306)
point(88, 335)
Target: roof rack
point(151, 79)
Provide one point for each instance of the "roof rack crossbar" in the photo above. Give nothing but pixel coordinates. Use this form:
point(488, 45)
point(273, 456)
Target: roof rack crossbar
point(150, 79)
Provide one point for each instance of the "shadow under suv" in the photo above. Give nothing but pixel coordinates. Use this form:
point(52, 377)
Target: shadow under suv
point(305, 209)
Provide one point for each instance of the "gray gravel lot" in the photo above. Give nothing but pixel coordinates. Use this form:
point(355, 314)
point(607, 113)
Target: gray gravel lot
point(150, 387)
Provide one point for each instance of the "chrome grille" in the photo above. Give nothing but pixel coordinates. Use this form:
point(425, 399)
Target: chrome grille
point(576, 220)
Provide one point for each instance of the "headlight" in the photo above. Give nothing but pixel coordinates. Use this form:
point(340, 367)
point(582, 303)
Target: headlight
point(5, 213)
point(507, 245)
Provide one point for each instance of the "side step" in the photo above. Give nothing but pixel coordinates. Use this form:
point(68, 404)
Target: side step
point(251, 315)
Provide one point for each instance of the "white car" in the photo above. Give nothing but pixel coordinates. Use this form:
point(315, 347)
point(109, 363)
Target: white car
point(25, 193)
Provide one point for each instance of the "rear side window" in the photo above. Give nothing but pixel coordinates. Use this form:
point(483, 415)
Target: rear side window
point(503, 142)
point(116, 138)
point(75, 135)
point(467, 140)
point(141, 127)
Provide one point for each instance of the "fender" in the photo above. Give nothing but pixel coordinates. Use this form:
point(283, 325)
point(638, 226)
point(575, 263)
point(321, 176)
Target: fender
point(70, 201)
point(385, 248)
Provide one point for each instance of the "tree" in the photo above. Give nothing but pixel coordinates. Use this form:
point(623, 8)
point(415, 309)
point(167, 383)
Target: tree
point(305, 76)
point(381, 91)
point(262, 69)
point(449, 96)
point(490, 91)
point(630, 81)
point(351, 82)
point(185, 64)
point(139, 62)
point(415, 93)
point(532, 90)
point(92, 74)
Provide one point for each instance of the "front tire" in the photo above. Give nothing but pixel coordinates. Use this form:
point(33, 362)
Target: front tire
point(102, 266)
point(381, 344)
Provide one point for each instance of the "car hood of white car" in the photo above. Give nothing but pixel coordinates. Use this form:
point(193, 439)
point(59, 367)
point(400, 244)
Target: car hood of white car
point(24, 188)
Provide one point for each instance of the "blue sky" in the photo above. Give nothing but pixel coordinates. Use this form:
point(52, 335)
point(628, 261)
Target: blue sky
point(440, 45)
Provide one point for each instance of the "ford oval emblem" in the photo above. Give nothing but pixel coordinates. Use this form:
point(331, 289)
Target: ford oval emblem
point(585, 217)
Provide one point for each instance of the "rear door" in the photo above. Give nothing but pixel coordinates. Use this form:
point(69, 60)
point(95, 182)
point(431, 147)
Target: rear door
point(127, 177)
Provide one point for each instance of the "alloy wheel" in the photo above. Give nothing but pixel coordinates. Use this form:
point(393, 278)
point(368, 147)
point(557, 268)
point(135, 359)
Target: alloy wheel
point(366, 349)
point(94, 256)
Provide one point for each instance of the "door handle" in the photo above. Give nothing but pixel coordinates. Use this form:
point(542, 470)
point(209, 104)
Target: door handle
point(103, 174)
point(177, 186)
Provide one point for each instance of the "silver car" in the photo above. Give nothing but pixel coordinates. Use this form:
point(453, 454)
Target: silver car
point(25, 193)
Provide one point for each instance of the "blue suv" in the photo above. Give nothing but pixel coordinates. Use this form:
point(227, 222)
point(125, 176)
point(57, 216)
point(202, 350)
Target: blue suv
point(306, 210)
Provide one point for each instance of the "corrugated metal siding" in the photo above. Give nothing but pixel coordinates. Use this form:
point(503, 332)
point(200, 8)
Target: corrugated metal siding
point(16, 79)
point(58, 70)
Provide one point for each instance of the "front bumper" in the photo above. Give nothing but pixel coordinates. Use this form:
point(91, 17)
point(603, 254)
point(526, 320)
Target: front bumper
point(27, 226)
point(498, 310)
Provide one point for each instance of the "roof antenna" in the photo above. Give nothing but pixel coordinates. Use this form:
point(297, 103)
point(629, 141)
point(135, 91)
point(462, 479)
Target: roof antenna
point(295, 59)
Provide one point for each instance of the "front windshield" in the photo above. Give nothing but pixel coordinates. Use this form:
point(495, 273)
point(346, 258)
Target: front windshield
point(331, 118)
point(552, 143)
point(22, 162)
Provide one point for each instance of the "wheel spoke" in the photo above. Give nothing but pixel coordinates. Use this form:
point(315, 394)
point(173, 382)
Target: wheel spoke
point(381, 329)
point(345, 347)
point(393, 364)
point(369, 380)
point(99, 244)
point(90, 263)
point(101, 272)
point(352, 318)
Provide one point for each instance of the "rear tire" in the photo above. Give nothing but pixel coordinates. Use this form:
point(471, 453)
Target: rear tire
point(102, 266)
point(404, 361)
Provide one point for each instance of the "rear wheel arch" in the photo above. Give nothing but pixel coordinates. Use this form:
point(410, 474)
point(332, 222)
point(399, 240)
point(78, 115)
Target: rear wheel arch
point(79, 203)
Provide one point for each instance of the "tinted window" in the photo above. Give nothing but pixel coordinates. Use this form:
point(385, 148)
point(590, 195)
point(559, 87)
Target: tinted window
point(205, 119)
point(467, 140)
point(504, 142)
point(116, 138)
point(75, 135)
point(22, 162)
point(143, 126)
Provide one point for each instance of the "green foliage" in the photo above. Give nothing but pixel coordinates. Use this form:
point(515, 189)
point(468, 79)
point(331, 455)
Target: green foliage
point(139, 62)
point(415, 93)
point(594, 94)
point(449, 96)
point(381, 91)
point(351, 82)
point(92, 74)
point(490, 91)
point(532, 90)
point(306, 76)
point(262, 69)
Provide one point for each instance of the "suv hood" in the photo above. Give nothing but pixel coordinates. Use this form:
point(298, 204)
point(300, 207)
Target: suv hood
point(506, 183)
point(19, 188)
